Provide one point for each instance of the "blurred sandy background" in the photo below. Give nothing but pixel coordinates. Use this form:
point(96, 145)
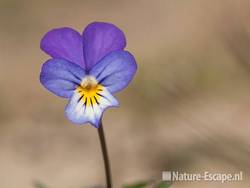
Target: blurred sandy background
point(188, 108)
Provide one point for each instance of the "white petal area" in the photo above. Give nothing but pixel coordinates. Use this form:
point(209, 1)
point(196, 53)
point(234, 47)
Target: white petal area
point(80, 113)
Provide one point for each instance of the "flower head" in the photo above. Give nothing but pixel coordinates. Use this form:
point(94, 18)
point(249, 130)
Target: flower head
point(87, 69)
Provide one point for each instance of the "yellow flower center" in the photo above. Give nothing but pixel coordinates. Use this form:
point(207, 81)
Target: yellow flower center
point(90, 91)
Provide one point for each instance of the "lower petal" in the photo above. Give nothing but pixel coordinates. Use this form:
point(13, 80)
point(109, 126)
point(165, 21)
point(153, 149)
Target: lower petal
point(82, 109)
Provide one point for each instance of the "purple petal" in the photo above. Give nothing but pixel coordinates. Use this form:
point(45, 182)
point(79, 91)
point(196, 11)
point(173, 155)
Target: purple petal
point(64, 43)
point(99, 39)
point(61, 77)
point(115, 71)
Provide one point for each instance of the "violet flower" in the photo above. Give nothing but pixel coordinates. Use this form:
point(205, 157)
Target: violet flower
point(87, 69)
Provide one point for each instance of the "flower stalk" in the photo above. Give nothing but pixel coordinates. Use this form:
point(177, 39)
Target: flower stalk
point(105, 155)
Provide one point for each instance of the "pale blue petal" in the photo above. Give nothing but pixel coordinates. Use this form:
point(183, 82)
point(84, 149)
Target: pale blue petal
point(61, 77)
point(115, 71)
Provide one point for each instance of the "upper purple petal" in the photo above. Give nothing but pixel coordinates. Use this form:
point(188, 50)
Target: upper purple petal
point(61, 77)
point(115, 70)
point(64, 43)
point(99, 39)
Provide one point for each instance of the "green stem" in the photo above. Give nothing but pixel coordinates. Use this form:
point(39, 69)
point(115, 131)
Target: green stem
point(105, 155)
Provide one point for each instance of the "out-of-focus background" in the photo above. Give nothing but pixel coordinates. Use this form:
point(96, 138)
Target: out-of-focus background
point(188, 108)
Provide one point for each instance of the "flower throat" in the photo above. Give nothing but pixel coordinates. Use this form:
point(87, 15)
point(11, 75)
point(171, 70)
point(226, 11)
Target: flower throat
point(90, 91)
